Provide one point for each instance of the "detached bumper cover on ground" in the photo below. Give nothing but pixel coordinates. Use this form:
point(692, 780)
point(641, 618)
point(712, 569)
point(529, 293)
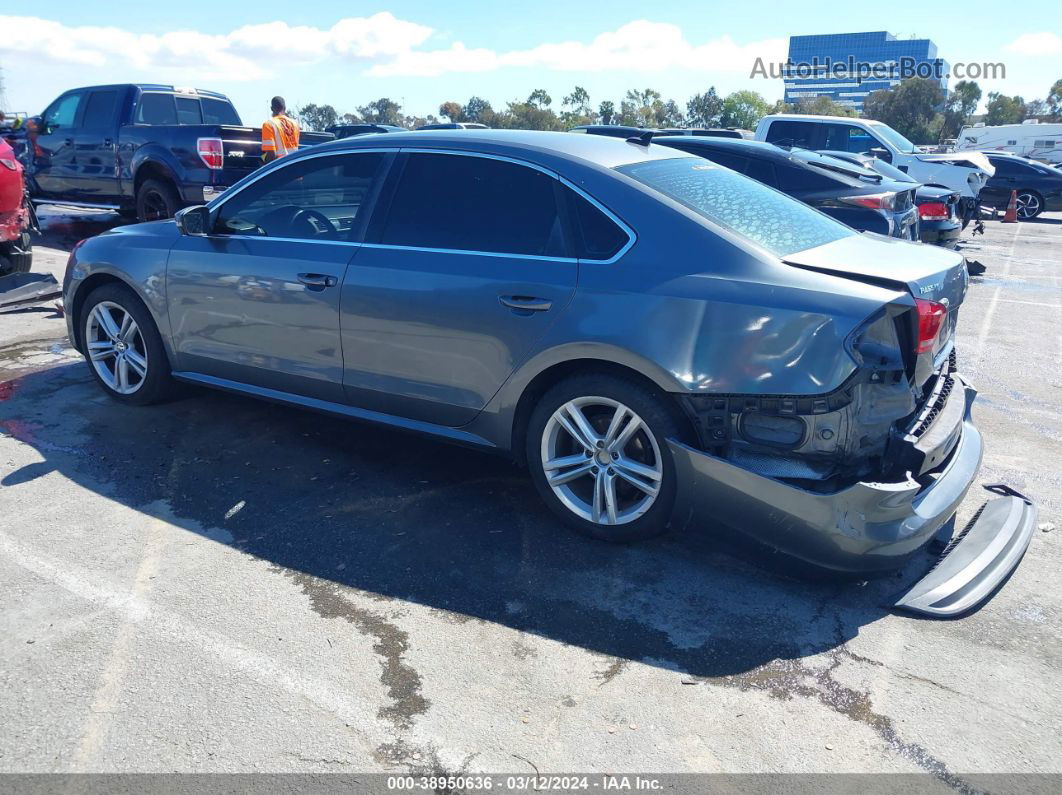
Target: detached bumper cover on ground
point(868, 527)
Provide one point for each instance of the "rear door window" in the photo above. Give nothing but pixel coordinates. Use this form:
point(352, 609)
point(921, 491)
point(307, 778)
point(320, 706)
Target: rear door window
point(762, 171)
point(770, 219)
point(99, 110)
point(155, 108)
point(792, 133)
point(598, 237)
point(470, 203)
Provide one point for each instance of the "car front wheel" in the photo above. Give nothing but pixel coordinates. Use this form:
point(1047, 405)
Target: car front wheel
point(122, 346)
point(598, 454)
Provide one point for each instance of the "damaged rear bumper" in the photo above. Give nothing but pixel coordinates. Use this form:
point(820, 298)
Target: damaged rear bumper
point(870, 528)
point(862, 529)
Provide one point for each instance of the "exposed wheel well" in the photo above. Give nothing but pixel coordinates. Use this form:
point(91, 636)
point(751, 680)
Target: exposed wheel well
point(545, 380)
point(150, 171)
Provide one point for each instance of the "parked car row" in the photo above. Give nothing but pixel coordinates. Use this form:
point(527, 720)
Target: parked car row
point(661, 340)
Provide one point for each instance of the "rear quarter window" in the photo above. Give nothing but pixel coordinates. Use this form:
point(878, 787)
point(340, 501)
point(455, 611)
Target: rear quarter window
point(770, 219)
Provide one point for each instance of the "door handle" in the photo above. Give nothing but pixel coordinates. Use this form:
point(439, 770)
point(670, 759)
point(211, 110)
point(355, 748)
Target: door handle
point(525, 303)
point(318, 280)
point(107, 142)
point(68, 141)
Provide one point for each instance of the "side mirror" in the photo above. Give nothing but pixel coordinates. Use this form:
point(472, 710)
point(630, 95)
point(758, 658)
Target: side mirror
point(881, 153)
point(193, 221)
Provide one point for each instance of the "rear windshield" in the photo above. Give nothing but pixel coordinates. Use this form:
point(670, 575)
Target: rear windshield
point(763, 215)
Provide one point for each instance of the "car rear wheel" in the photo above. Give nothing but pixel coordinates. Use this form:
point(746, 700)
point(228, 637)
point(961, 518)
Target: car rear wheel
point(123, 348)
point(598, 454)
point(1030, 205)
point(156, 199)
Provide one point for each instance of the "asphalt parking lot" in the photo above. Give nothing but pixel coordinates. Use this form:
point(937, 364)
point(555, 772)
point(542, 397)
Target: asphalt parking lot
point(219, 584)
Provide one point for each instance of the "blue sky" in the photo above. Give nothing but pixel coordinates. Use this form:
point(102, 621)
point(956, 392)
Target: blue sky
point(422, 53)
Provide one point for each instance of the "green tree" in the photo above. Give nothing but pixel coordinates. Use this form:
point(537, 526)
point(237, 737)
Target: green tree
point(704, 110)
point(381, 111)
point(1004, 110)
point(606, 112)
point(577, 108)
point(1054, 101)
point(820, 106)
point(644, 108)
point(962, 102)
point(743, 109)
point(454, 111)
point(317, 117)
point(350, 118)
point(533, 114)
point(477, 110)
point(910, 108)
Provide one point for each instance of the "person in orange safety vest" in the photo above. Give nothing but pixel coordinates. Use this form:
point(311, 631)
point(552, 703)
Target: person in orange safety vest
point(280, 132)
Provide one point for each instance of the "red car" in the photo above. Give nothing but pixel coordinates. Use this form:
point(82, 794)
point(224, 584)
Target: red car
point(15, 215)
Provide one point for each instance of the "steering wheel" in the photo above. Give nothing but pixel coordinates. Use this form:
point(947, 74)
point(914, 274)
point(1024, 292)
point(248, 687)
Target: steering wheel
point(320, 222)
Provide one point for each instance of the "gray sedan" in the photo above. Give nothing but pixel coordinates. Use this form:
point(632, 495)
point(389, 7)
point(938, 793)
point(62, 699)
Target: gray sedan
point(658, 338)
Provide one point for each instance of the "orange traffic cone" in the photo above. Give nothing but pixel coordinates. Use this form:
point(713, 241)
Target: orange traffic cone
point(1011, 215)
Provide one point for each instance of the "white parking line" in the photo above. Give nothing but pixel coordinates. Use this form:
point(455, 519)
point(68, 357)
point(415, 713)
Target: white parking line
point(986, 323)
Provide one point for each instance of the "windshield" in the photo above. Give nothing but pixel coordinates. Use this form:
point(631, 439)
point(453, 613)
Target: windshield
point(900, 143)
point(770, 219)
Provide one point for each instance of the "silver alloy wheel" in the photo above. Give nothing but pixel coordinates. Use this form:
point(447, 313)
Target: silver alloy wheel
point(116, 348)
point(1028, 205)
point(601, 460)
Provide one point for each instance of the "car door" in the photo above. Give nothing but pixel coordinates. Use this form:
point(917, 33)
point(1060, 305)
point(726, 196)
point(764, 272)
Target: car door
point(465, 270)
point(256, 300)
point(53, 152)
point(94, 179)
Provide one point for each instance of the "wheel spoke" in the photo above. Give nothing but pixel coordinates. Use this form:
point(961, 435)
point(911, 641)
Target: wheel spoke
point(137, 362)
point(106, 322)
point(130, 330)
point(121, 373)
point(100, 350)
point(573, 421)
point(609, 487)
point(618, 418)
point(629, 430)
point(565, 461)
point(560, 478)
point(642, 477)
point(123, 329)
point(599, 496)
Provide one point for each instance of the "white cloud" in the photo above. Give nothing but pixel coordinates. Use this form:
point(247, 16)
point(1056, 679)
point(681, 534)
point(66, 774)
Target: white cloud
point(1043, 43)
point(385, 45)
point(640, 46)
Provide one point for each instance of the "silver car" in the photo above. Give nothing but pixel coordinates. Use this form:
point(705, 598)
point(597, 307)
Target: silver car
point(662, 341)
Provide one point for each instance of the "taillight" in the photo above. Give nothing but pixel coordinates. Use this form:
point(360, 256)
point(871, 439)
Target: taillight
point(874, 201)
point(211, 152)
point(930, 319)
point(6, 163)
point(933, 211)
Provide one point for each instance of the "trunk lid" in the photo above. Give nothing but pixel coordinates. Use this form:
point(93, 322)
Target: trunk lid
point(924, 272)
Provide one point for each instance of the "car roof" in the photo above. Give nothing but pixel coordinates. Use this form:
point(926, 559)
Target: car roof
point(601, 150)
point(802, 117)
point(735, 145)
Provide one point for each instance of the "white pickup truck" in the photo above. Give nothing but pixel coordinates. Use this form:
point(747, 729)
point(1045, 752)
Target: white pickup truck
point(965, 172)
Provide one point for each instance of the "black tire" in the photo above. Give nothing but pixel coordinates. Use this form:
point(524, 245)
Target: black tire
point(156, 199)
point(157, 385)
point(1034, 196)
point(662, 419)
point(16, 256)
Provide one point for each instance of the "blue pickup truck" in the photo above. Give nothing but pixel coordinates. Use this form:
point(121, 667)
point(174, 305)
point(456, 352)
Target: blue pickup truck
point(144, 150)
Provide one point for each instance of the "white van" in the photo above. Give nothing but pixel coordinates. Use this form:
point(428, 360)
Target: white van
point(965, 172)
point(1029, 139)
